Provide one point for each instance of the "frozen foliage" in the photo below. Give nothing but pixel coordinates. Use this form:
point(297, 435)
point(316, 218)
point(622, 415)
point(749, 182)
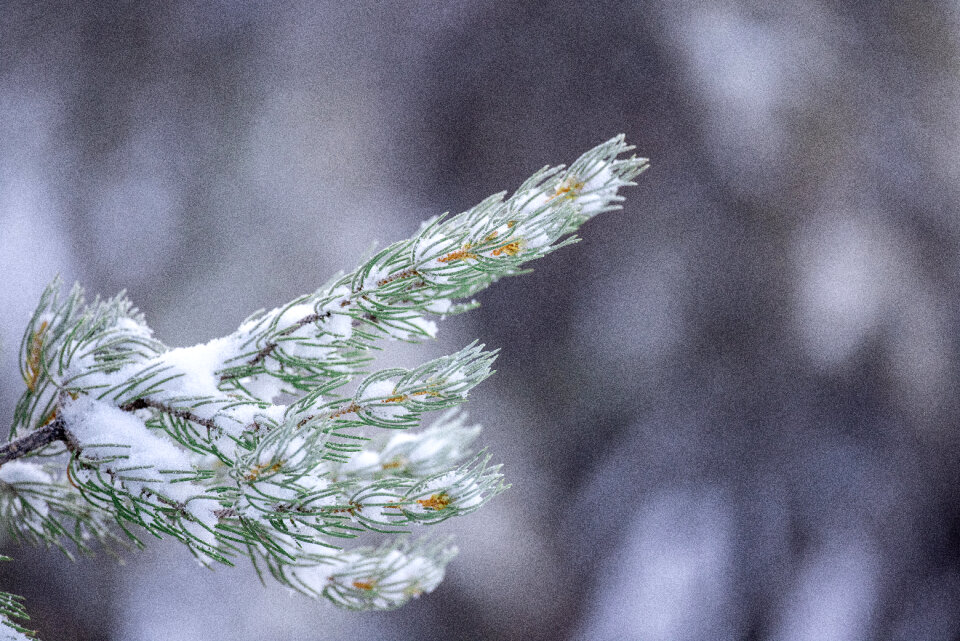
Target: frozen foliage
point(252, 445)
point(11, 610)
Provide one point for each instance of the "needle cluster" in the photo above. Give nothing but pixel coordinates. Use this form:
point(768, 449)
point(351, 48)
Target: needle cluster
point(277, 443)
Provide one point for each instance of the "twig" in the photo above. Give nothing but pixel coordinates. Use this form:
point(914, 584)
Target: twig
point(267, 349)
point(56, 430)
point(143, 403)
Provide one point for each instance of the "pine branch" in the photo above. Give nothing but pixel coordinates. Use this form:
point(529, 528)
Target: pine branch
point(248, 445)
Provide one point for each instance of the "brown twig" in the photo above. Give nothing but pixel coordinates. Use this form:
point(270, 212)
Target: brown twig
point(144, 403)
point(267, 349)
point(56, 430)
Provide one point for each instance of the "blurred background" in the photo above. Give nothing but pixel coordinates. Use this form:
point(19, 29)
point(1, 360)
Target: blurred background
point(730, 413)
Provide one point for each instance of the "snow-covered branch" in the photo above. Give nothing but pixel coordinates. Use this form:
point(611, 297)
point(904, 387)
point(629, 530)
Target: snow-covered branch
point(276, 442)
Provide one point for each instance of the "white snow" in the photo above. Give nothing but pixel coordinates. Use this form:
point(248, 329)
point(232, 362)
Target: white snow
point(17, 472)
point(598, 191)
point(441, 306)
point(378, 389)
point(198, 366)
point(130, 326)
point(373, 397)
point(427, 326)
point(104, 430)
point(361, 461)
point(203, 511)
point(9, 634)
point(22, 475)
point(294, 313)
point(463, 492)
point(395, 577)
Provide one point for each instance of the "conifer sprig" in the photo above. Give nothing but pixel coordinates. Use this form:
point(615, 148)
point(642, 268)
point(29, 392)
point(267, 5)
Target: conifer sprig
point(251, 445)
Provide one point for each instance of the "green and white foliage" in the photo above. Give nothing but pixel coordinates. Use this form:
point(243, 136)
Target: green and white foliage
point(276, 442)
point(11, 611)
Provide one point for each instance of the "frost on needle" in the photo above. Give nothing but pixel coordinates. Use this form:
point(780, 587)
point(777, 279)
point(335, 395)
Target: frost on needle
point(276, 442)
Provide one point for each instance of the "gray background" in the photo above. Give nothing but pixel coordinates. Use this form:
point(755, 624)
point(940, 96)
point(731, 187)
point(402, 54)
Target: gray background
point(729, 413)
